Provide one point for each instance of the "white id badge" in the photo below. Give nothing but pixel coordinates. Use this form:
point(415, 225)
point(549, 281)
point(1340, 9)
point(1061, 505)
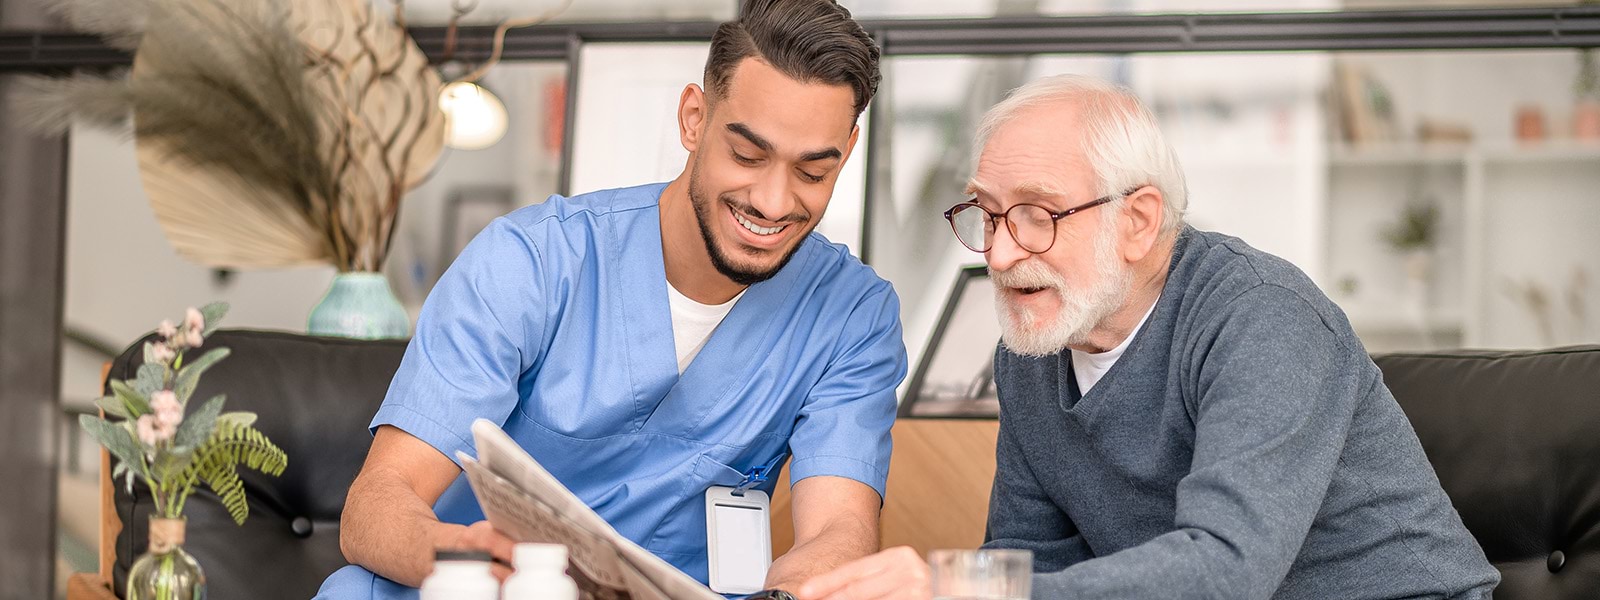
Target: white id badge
point(738, 539)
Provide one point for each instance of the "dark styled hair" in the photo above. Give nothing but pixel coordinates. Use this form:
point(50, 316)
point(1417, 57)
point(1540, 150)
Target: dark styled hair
point(811, 41)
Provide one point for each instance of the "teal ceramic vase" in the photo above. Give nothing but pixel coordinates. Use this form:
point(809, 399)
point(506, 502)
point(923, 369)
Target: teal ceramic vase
point(360, 305)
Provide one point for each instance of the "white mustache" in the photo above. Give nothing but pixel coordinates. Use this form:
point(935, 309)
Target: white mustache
point(1027, 274)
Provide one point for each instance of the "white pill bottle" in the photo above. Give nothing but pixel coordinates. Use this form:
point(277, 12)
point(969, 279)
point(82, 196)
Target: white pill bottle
point(459, 575)
point(541, 574)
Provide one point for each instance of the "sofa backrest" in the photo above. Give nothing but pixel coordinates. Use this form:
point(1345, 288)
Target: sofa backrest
point(1515, 440)
point(1513, 436)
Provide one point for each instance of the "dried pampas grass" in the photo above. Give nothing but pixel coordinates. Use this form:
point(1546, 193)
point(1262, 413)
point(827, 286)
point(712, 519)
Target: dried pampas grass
point(269, 133)
point(119, 22)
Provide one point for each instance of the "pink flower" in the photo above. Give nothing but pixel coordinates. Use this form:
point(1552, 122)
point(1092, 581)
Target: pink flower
point(168, 412)
point(162, 352)
point(193, 324)
point(167, 329)
point(192, 319)
point(152, 431)
point(146, 425)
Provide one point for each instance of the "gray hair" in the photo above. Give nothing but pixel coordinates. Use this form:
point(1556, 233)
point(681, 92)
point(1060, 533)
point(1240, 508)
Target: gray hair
point(1121, 139)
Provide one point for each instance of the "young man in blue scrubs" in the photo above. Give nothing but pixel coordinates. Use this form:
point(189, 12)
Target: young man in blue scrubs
point(647, 343)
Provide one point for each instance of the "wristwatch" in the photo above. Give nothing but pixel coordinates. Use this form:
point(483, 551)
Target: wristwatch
point(770, 595)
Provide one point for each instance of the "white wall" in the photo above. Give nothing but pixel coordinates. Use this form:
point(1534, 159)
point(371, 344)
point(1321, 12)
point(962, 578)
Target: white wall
point(521, 161)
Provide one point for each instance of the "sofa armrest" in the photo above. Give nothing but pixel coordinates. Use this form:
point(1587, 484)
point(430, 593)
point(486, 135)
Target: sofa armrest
point(88, 586)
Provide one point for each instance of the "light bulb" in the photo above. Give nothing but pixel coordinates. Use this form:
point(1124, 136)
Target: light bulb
point(475, 118)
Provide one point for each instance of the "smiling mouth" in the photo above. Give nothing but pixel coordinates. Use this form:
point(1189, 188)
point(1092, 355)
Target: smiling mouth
point(754, 228)
point(1029, 290)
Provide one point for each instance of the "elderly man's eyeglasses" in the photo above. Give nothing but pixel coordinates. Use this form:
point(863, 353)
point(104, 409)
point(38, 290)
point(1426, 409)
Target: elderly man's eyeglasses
point(1032, 226)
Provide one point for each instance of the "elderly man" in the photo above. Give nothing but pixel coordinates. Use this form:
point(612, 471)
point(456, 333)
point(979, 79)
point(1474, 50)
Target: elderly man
point(1181, 415)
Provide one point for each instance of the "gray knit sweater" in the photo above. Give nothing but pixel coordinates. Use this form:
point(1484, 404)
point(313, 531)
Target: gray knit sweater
point(1244, 446)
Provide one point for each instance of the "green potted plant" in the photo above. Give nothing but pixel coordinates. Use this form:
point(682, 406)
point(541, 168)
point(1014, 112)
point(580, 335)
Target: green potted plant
point(1413, 236)
point(149, 426)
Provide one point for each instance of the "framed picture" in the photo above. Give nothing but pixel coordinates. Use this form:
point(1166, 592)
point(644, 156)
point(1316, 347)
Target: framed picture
point(955, 377)
point(466, 212)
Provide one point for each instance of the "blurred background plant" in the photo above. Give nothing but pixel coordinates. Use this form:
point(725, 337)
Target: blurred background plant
point(1416, 230)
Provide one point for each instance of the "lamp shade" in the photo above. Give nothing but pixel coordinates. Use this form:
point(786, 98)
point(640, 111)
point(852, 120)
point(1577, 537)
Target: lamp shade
point(475, 118)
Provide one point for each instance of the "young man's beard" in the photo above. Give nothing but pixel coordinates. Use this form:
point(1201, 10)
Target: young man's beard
point(704, 212)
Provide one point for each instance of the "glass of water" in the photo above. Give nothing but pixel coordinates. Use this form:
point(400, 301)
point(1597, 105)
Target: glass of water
point(981, 574)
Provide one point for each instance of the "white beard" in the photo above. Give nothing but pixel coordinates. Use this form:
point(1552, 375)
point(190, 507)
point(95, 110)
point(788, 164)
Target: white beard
point(1082, 309)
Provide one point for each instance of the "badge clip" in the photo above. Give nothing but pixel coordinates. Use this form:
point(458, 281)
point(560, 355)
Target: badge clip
point(756, 476)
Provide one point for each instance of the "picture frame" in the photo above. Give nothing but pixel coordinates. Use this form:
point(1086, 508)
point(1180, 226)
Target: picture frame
point(467, 210)
point(954, 379)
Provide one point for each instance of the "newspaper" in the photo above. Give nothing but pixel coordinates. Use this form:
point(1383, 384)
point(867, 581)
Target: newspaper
point(528, 504)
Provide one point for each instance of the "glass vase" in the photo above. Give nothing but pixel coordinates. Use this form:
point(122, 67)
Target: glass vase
point(165, 571)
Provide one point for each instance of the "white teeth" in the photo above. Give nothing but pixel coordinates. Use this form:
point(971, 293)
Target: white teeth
point(756, 229)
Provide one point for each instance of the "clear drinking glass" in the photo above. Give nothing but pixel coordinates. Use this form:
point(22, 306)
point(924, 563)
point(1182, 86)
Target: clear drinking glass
point(981, 574)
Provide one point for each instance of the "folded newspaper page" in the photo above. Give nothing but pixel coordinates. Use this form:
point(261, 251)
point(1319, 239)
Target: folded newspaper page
point(528, 504)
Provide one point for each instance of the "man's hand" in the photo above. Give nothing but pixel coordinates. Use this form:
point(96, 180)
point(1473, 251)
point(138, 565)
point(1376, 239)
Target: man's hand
point(389, 526)
point(898, 573)
point(482, 536)
point(835, 522)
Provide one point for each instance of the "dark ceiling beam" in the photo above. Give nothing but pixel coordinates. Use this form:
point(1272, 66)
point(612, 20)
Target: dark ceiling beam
point(1303, 31)
point(1441, 29)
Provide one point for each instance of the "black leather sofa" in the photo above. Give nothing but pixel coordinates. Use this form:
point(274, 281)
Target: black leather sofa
point(1515, 440)
point(1514, 437)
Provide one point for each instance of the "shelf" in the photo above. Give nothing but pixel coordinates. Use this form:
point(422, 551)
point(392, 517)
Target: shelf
point(1545, 152)
point(1398, 154)
point(1245, 161)
point(1412, 154)
point(1197, 155)
point(1370, 320)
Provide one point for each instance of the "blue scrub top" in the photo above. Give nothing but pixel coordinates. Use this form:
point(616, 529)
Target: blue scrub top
point(554, 323)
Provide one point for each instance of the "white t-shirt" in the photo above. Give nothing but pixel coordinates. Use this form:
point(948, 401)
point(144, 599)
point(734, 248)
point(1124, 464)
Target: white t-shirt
point(1089, 368)
point(693, 322)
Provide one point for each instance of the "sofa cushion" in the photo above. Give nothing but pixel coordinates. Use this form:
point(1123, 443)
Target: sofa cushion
point(1515, 440)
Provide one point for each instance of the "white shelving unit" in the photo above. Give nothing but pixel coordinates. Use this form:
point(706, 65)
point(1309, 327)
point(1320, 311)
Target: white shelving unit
point(1511, 217)
point(1517, 256)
